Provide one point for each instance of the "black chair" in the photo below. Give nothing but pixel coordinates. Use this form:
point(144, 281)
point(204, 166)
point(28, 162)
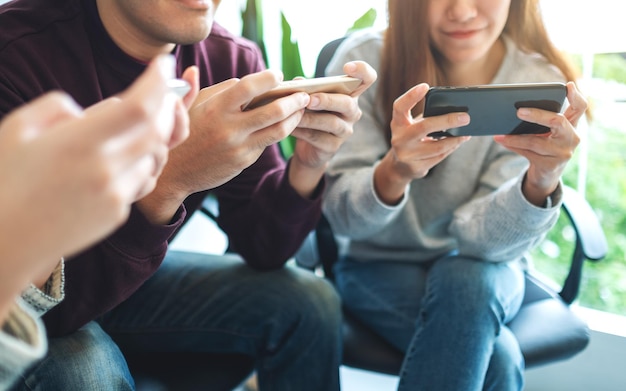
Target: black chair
point(545, 327)
point(188, 371)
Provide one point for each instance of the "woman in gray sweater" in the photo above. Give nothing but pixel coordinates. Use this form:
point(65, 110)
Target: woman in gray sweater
point(438, 229)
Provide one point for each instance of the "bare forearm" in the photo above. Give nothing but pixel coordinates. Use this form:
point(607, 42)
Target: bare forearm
point(305, 180)
point(161, 205)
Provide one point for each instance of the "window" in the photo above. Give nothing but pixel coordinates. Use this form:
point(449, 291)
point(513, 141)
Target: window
point(598, 169)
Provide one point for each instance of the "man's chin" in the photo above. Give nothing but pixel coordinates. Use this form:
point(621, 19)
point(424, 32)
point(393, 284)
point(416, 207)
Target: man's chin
point(188, 37)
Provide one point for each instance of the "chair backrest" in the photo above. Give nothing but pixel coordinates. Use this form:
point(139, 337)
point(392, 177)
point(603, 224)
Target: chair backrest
point(326, 54)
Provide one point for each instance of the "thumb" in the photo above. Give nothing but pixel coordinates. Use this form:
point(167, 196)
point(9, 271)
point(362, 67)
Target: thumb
point(148, 96)
point(191, 75)
point(404, 104)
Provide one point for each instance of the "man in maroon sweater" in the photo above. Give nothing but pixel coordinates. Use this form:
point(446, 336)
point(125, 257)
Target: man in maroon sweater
point(129, 286)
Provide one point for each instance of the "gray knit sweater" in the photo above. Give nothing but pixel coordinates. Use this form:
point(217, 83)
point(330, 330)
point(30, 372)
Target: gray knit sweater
point(472, 201)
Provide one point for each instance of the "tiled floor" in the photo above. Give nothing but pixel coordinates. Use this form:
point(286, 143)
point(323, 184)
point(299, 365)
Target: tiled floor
point(357, 380)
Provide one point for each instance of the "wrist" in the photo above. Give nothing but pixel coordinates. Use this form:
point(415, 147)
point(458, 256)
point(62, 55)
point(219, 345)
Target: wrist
point(539, 193)
point(303, 179)
point(160, 206)
point(388, 184)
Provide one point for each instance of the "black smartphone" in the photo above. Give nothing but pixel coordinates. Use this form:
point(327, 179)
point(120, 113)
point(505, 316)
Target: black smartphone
point(493, 108)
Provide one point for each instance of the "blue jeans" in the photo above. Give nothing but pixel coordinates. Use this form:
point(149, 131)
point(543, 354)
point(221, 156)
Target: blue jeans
point(289, 320)
point(448, 316)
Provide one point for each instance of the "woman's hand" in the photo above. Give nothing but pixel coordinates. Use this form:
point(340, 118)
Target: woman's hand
point(547, 153)
point(413, 153)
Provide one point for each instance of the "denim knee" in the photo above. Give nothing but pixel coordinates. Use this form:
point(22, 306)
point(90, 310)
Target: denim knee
point(307, 319)
point(314, 298)
point(476, 288)
point(85, 360)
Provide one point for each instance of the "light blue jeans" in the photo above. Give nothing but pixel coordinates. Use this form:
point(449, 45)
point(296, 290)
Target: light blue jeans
point(448, 317)
point(289, 320)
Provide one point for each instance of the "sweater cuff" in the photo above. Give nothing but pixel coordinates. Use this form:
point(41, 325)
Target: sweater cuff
point(554, 199)
point(42, 301)
point(141, 239)
point(535, 217)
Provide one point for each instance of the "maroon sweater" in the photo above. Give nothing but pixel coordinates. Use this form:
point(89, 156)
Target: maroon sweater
point(62, 44)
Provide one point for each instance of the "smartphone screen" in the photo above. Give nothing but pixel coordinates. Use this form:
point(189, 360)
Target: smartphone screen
point(493, 108)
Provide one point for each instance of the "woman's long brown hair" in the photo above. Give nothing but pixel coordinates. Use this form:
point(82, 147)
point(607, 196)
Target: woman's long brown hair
point(408, 58)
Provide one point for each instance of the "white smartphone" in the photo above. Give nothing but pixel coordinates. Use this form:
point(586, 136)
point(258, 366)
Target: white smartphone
point(330, 84)
point(179, 86)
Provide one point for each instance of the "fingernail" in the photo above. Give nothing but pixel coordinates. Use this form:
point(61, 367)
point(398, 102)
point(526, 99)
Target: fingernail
point(314, 101)
point(523, 112)
point(350, 67)
point(463, 119)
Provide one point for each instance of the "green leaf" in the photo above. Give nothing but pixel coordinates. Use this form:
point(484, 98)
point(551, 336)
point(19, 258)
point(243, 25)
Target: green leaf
point(292, 63)
point(287, 146)
point(291, 67)
point(252, 25)
point(365, 21)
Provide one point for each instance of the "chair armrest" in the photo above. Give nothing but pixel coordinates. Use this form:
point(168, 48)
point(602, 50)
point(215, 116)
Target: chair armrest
point(585, 222)
point(210, 207)
point(590, 240)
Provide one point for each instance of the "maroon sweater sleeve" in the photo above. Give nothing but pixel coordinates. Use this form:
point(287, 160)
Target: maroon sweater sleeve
point(265, 219)
point(105, 275)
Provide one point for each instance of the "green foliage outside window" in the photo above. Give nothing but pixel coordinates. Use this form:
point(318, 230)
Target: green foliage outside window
point(603, 283)
point(610, 67)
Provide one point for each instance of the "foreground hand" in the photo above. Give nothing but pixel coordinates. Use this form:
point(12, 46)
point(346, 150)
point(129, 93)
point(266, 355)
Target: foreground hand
point(148, 107)
point(69, 177)
point(548, 153)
